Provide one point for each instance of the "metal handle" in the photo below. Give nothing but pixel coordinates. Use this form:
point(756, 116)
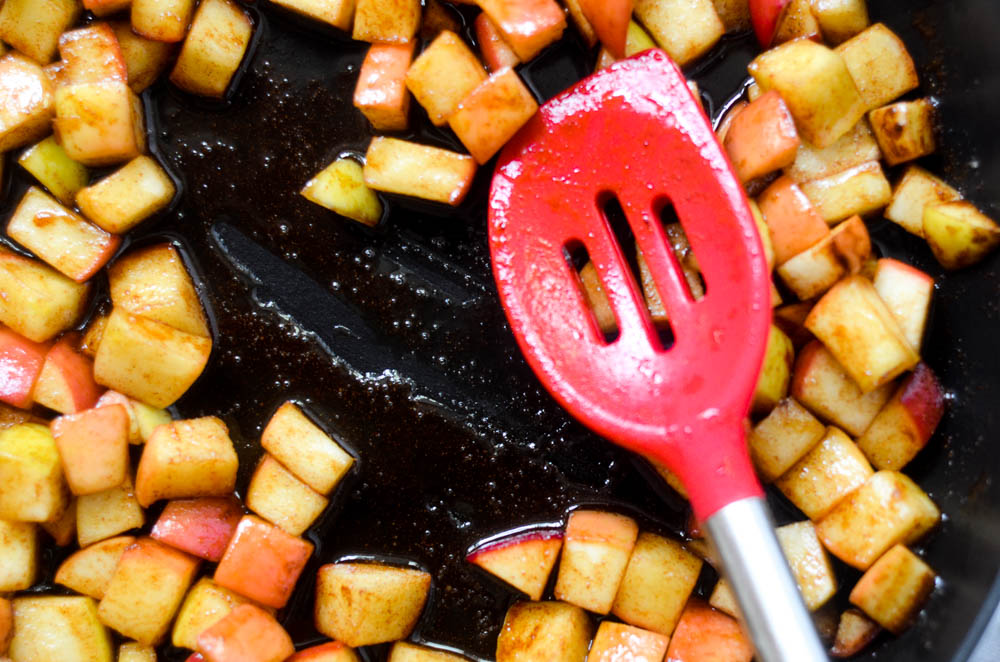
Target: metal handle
point(769, 599)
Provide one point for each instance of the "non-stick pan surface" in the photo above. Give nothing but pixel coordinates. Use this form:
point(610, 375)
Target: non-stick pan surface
point(395, 340)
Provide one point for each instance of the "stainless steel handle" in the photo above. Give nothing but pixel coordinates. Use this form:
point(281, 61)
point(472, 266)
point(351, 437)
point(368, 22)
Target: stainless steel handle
point(752, 561)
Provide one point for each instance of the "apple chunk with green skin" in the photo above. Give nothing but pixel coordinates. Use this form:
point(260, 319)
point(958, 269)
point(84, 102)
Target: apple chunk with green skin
point(89, 570)
point(331, 651)
point(188, 458)
point(263, 562)
point(58, 628)
point(93, 446)
point(369, 603)
point(596, 551)
point(246, 634)
point(544, 632)
point(32, 488)
point(21, 362)
point(58, 173)
point(524, 561)
point(959, 234)
point(201, 527)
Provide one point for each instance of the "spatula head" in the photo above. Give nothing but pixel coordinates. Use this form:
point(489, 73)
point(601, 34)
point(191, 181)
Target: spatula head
point(634, 131)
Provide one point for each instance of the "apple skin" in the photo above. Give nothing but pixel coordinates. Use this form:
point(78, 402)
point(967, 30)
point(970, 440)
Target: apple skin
point(924, 399)
point(331, 651)
point(67, 380)
point(610, 20)
point(496, 52)
point(21, 362)
point(765, 15)
point(202, 527)
point(524, 561)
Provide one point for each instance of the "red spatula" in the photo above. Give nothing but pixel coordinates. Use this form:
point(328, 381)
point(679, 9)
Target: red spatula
point(635, 131)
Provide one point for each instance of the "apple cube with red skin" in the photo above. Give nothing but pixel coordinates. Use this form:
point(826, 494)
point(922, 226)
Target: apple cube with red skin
point(63, 628)
point(369, 603)
point(201, 527)
point(127, 196)
point(108, 513)
point(381, 93)
point(833, 469)
point(492, 113)
point(386, 21)
point(403, 651)
point(331, 651)
point(305, 449)
point(595, 554)
point(21, 362)
point(205, 605)
point(162, 20)
point(762, 138)
point(262, 562)
point(706, 635)
point(894, 589)
point(443, 75)
point(658, 581)
point(764, 16)
point(906, 423)
point(60, 237)
point(544, 632)
point(38, 301)
point(527, 25)
point(246, 634)
point(214, 48)
point(782, 438)
point(89, 570)
point(66, 383)
point(32, 488)
point(907, 293)
point(888, 509)
point(858, 329)
point(496, 52)
point(524, 561)
point(854, 632)
point(188, 458)
point(794, 224)
point(610, 19)
point(400, 166)
point(99, 123)
point(18, 555)
point(33, 27)
point(146, 589)
point(615, 642)
point(29, 102)
point(93, 446)
point(685, 29)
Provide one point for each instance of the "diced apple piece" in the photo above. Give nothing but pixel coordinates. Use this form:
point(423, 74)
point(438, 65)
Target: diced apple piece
point(60, 237)
point(128, 196)
point(959, 234)
point(205, 605)
point(859, 190)
point(106, 7)
point(62, 530)
point(704, 634)
point(854, 148)
point(783, 438)
point(146, 589)
point(432, 173)
point(843, 251)
point(858, 329)
point(381, 93)
point(32, 488)
point(904, 130)
point(89, 570)
point(369, 603)
point(262, 562)
point(148, 360)
point(92, 334)
point(331, 651)
point(187, 458)
point(148, 418)
point(637, 40)
point(136, 652)
point(544, 632)
point(816, 85)
point(91, 55)
point(492, 113)
point(386, 21)
point(808, 562)
point(61, 175)
point(894, 589)
point(66, 383)
point(685, 29)
point(49, 627)
point(6, 624)
point(610, 21)
point(907, 293)
point(880, 65)
point(527, 25)
point(762, 138)
point(615, 642)
point(660, 577)
point(246, 634)
point(854, 632)
point(734, 14)
point(524, 561)
point(839, 20)
point(443, 75)
point(33, 27)
point(279, 497)
point(341, 188)
point(794, 224)
point(108, 513)
point(906, 423)
point(722, 598)
point(214, 48)
point(496, 52)
point(772, 385)
point(21, 362)
point(338, 13)
point(154, 283)
point(406, 652)
point(29, 102)
point(18, 555)
point(888, 509)
point(93, 446)
point(109, 398)
point(305, 449)
point(583, 26)
point(796, 22)
point(829, 472)
point(99, 123)
point(595, 553)
point(145, 59)
point(162, 20)
point(915, 190)
point(201, 527)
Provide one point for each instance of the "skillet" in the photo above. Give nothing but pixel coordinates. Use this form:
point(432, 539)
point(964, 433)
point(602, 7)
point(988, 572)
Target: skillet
point(395, 340)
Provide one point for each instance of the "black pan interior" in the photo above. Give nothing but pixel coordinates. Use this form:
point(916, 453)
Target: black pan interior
point(395, 340)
